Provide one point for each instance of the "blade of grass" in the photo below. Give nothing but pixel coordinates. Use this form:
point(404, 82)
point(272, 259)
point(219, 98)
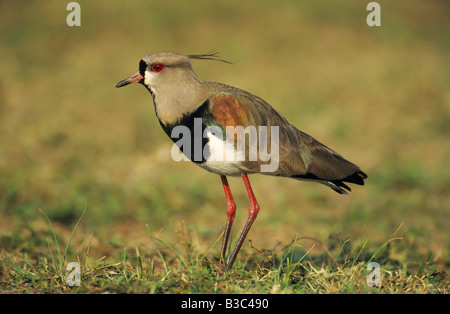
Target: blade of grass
point(423, 265)
point(87, 252)
point(384, 245)
point(163, 260)
point(138, 256)
point(52, 256)
point(209, 249)
point(340, 252)
point(124, 264)
point(71, 235)
point(292, 268)
point(61, 268)
point(359, 253)
point(183, 261)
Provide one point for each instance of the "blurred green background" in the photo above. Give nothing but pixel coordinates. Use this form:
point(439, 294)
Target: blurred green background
point(69, 140)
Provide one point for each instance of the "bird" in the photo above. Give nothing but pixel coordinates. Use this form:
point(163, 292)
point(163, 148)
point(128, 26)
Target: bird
point(211, 112)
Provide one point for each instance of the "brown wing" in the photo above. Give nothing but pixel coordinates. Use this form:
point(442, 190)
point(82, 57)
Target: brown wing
point(299, 155)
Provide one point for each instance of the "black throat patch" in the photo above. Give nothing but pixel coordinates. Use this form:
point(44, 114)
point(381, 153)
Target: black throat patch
point(195, 122)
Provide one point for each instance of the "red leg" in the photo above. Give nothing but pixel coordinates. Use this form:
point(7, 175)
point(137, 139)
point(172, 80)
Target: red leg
point(252, 213)
point(231, 210)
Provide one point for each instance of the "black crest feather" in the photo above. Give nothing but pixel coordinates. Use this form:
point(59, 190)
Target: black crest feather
point(213, 55)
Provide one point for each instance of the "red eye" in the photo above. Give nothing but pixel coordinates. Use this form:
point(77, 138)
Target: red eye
point(158, 67)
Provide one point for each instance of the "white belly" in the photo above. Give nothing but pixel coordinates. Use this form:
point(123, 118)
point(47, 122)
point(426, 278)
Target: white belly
point(224, 159)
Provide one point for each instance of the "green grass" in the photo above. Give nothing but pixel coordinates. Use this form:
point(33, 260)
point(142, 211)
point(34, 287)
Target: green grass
point(95, 160)
point(288, 269)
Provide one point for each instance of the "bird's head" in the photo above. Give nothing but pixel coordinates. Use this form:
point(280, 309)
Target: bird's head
point(175, 88)
point(165, 70)
point(161, 70)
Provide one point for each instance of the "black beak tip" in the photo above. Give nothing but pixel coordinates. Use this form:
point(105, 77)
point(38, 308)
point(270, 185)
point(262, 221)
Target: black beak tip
point(122, 83)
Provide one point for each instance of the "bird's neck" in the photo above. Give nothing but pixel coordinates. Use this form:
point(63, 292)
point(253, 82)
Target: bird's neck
point(171, 105)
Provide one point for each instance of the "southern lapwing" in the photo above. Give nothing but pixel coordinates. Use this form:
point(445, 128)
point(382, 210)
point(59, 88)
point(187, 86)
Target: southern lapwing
point(232, 131)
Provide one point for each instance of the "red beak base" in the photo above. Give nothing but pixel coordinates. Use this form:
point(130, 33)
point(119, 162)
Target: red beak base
point(135, 78)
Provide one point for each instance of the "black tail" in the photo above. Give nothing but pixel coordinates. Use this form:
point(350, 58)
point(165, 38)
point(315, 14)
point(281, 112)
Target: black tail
point(337, 185)
point(356, 178)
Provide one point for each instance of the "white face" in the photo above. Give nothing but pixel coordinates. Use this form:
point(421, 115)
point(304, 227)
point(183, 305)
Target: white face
point(150, 78)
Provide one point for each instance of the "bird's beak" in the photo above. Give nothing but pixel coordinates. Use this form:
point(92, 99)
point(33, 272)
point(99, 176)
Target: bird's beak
point(135, 78)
